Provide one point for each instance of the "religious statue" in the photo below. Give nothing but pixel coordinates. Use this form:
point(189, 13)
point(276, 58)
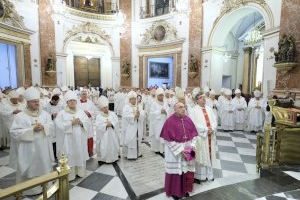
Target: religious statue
point(286, 50)
point(126, 68)
point(193, 64)
point(50, 64)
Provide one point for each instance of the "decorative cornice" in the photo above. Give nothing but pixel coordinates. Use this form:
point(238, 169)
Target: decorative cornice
point(89, 15)
point(229, 5)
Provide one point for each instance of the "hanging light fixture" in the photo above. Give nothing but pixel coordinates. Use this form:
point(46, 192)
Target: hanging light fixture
point(254, 36)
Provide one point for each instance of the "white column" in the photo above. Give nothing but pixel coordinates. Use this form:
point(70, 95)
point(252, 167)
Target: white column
point(206, 68)
point(270, 38)
point(61, 63)
point(116, 76)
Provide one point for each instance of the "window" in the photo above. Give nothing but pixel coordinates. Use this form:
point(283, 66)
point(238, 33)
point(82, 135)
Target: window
point(161, 7)
point(8, 66)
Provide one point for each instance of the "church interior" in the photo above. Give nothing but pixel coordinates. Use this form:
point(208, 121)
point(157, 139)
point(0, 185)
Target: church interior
point(89, 89)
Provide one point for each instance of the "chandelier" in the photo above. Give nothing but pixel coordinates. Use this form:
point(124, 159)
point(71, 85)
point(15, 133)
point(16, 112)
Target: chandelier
point(253, 37)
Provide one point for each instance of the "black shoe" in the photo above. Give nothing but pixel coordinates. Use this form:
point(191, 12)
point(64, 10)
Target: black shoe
point(187, 194)
point(140, 156)
point(175, 198)
point(100, 162)
point(197, 181)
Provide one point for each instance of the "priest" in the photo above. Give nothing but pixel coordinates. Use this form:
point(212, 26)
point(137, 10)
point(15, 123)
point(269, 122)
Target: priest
point(227, 112)
point(72, 131)
point(206, 124)
point(157, 117)
point(11, 108)
point(107, 143)
point(133, 127)
point(256, 112)
point(240, 107)
point(179, 134)
point(89, 108)
point(32, 129)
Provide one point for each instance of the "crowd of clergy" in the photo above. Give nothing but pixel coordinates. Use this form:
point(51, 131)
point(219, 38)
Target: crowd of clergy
point(38, 125)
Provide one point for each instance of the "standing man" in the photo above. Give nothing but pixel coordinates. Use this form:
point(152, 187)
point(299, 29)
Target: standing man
point(32, 129)
point(206, 124)
point(227, 113)
point(89, 108)
point(73, 126)
point(240, 107)
point(132, 125)
point(158, 116)
point(53, 107)
point(179, 134)
point(107, 144)
point(256, 115)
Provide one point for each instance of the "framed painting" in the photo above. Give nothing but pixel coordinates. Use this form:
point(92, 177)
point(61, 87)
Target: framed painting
point(159, 70)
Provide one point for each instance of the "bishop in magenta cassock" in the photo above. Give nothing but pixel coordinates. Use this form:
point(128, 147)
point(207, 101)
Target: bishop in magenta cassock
point(180, 135)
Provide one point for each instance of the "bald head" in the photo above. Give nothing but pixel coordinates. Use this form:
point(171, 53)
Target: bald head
point(179, 109)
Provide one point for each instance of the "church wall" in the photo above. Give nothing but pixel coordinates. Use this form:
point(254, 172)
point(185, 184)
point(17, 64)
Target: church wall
point(69, 27)
point(290, 24)
point(29, 11)
point(140, 26)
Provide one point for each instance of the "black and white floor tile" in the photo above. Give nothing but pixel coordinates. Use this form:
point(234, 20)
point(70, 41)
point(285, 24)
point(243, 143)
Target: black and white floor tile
point(144, 178)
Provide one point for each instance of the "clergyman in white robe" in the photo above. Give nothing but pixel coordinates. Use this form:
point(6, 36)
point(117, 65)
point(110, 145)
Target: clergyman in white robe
point(107, 143)
point(133, 127)
point(158, 115)
point(72, 133)
point(256, 113)
point(32, 129)
point(206, 124)
point(227, 112)
point(240, 108)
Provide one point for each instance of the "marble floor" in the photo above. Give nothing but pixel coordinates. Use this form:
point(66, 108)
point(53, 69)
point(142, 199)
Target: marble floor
point(144, 178)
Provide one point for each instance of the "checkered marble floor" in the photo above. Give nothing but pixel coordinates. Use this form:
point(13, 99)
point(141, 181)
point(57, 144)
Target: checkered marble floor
point(236, 162)
point(290, 195)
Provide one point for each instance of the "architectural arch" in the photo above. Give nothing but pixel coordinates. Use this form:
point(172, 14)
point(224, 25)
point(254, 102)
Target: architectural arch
point(233, 11)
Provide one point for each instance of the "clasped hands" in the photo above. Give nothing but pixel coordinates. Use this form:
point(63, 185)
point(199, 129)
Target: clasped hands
point(108, 124)
point(76, 121)
point(38, 127)
point(137, 114)
point(163, 111)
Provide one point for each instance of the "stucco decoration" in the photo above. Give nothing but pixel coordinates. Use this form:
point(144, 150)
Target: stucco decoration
point(229, 5)
point(9, 15)
point(88, 32)
point(160, 32)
